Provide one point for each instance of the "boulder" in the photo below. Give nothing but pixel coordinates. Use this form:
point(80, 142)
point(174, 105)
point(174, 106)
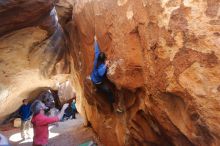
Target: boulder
point(17, 122)
point(164, 64)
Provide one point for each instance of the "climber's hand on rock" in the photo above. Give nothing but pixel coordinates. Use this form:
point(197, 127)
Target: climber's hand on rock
point(107, 63)
point(95, 38)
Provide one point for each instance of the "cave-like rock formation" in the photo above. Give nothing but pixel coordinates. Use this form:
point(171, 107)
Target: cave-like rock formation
point(164, 64)
point(32, 49)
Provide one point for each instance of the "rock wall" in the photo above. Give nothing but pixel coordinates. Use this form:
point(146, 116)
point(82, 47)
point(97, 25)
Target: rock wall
point(32, 50)
point(164, 63)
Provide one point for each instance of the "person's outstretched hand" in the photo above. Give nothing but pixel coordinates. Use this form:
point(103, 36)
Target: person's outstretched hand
point(65, 106)
point(95, 38)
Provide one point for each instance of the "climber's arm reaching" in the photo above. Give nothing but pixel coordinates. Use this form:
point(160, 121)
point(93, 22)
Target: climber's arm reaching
point(97, 52)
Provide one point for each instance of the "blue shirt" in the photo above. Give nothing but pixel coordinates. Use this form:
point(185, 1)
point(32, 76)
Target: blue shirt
point(73, 105)
point(98, 73)
point(25, 112)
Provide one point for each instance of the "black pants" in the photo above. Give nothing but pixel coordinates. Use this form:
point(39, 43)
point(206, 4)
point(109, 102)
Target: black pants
point(74, 114)
point(103, 87)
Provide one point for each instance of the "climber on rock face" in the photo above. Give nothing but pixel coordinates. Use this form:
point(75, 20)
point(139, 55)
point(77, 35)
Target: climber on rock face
point(98, 75)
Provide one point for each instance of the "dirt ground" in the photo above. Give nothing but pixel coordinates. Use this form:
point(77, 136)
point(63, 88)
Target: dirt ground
point(68, 133)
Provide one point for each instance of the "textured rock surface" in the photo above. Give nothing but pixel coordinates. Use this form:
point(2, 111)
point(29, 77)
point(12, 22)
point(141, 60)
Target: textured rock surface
point(164, 62)
point(32, 49)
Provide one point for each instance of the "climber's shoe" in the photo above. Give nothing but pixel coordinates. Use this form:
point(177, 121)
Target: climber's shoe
point(119, 110)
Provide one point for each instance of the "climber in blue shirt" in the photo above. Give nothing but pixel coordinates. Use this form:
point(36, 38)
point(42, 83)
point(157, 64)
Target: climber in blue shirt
point(98, 75)
point(100, 68)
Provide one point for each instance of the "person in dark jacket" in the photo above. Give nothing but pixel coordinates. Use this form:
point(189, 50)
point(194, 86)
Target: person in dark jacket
point(25, 112)
point(73, 106)
point(98, 75)
point(68, 113)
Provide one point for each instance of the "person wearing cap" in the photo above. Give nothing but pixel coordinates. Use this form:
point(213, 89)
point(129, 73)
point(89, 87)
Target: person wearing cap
point(40, 122)
point(25, 113)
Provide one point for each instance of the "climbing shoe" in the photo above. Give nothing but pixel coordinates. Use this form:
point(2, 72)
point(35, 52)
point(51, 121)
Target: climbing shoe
point(119, 110)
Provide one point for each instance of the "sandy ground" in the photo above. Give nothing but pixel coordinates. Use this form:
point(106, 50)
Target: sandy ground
point(68, 133)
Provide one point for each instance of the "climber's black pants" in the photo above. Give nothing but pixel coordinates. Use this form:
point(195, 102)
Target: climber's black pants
point(104, 88)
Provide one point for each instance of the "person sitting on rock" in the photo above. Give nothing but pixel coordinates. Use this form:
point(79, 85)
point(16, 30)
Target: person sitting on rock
point(98, 75)
point(40, 122)
point(68, 113)
point(25, 113)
